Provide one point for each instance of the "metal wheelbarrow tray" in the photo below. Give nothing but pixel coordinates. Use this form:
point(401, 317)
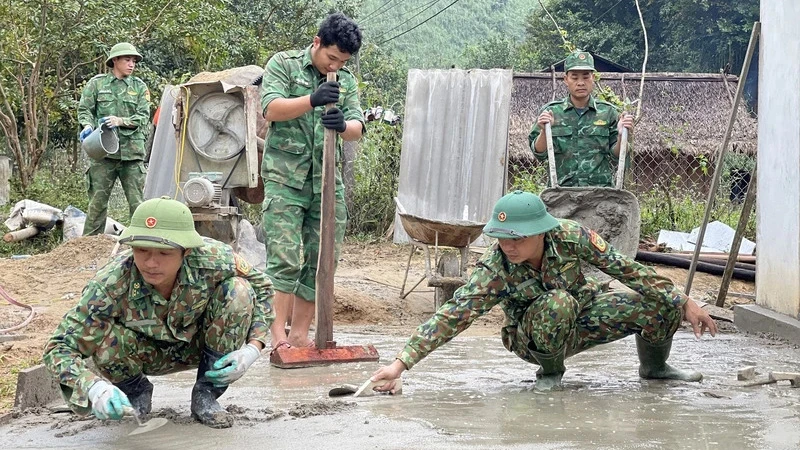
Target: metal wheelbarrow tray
point(613, 213)
point(450, 273)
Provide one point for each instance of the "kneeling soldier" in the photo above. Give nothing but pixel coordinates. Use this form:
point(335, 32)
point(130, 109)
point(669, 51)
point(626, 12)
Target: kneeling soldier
point(552, 310)
point(175, 301)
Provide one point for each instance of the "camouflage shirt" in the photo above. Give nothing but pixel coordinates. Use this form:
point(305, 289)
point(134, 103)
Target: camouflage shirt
point(515, 287)
point(119, 295)
point(295, 146)
point(128, 99)
point(583, 143)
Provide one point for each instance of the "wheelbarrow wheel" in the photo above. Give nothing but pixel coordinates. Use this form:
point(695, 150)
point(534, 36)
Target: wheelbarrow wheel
point(450, 267)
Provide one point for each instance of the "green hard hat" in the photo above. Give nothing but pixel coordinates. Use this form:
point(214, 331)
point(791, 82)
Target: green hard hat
point(579, 60)
point(162, 223)
point(519, 214)
point(122, 49)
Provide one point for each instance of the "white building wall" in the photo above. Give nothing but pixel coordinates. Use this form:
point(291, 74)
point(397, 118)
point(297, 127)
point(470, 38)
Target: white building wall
point(778, 205)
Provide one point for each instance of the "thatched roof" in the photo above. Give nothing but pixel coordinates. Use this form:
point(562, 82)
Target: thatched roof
point(601, 64)
point(684, 113)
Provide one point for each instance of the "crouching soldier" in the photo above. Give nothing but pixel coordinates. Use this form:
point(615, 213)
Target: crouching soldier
point(174, 301)
point(552, 310)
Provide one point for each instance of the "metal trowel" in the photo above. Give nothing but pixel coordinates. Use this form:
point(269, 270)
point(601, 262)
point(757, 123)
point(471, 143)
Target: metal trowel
point(146, 427)
point(366, 389)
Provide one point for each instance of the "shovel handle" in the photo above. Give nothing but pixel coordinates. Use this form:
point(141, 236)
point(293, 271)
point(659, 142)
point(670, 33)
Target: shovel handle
point(623, 153)
point(551, 155)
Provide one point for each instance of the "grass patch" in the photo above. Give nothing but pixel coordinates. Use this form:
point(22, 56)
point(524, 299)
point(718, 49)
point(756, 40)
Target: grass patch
point(9, 368)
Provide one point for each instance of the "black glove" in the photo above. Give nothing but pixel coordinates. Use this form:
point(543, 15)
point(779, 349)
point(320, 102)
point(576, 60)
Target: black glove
point(327, 92)
point(334, 120)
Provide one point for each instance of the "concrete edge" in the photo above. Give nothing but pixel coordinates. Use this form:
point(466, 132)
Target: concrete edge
point(757, 319)
point(35, 388)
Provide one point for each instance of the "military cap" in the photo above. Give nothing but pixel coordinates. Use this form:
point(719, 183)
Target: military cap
point(519, 214)
point(122, 49)
point(162, 223)
point(579, 60)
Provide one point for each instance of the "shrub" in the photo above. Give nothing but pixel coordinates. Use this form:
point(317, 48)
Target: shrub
point(376, 171)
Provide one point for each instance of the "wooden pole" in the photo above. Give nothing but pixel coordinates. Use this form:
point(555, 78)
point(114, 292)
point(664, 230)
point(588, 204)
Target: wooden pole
point(747, 207)
point(326, 264)
point(721, 155)
point(21, 235)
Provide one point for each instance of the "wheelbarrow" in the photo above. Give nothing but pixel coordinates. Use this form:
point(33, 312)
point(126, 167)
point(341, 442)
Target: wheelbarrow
point(612, 212)
point(451, 273)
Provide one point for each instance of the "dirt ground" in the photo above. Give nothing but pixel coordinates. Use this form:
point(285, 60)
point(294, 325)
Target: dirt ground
point(367, 295)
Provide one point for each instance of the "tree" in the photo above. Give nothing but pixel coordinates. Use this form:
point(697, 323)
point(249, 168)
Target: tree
point(48, 48)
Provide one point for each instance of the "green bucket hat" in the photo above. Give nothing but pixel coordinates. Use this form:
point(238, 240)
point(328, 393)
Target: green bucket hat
point(579, 60)
point(122, 49)
point(162, 223)
point(517, 215)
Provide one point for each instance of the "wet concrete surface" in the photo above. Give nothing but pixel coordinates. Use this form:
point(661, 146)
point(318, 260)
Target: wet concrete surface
point(471, 393)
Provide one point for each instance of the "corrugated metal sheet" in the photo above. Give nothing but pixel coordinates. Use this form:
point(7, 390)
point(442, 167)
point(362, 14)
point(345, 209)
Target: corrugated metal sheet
point(455, 134)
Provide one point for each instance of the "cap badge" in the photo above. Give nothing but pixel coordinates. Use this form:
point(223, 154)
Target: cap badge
point(501, 216)
point(150, 222)
point(581, 56)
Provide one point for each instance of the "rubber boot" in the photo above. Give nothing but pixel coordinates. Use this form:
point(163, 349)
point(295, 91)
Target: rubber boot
point(548, 377)
point(139, 391)
point(653, 362)
point(205, 407)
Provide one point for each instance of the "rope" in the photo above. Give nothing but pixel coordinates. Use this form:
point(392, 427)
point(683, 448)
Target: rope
point(25, 322)
point(179, 156)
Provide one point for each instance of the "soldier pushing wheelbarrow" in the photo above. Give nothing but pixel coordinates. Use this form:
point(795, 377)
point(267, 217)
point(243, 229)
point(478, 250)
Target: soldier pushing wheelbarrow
point(581, 136)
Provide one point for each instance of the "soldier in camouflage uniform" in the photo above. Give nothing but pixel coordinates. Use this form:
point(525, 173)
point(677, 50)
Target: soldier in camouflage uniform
point(122, 102)
point(552, 310)
point(584, 128)
point(176, 301)
point(294, 93)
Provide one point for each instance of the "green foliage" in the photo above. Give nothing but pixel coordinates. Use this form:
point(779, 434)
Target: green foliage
point(497, 51)
point(440, 42)
point(528, 180)
point(669, 208)
point(683, 35)
point(376, 170)
point(56, 185)
point(383, 78)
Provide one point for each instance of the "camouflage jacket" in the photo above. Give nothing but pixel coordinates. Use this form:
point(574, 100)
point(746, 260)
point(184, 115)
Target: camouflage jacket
point(583, 144)
point(127, 98)
point(295, 146)
point(119, 295)
point(515, 287)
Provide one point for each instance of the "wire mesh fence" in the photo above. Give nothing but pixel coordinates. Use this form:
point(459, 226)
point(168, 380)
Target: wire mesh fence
point(673, 148)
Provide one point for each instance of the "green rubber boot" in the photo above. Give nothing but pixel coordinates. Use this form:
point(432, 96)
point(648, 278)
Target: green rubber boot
point(653, 362)
point(548, 377)
point(205, 407)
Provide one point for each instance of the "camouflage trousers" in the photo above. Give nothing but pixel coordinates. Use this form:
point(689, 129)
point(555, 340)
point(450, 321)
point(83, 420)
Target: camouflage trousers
point(558, 320)
point(291, 220)
point(224, 328)
point(101, 176)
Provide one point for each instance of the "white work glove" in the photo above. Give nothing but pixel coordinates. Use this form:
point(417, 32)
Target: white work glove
point(107, 400)
point(111, 121)
point(232, 366)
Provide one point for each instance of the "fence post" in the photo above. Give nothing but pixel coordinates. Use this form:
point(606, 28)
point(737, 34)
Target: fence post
point(5, 176)
point(723, 149)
